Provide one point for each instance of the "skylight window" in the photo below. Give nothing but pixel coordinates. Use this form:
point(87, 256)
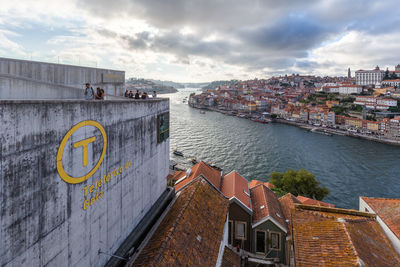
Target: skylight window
point(261, 207)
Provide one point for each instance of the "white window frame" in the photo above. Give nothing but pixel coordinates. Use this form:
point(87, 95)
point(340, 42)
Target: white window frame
point(245, 230)
point(279, 241)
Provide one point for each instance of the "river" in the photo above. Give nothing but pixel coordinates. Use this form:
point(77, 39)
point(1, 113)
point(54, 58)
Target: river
point(347, 166)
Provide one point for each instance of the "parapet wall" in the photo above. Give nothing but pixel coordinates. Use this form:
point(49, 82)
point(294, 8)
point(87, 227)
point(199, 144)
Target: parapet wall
point(60, 77)
point(76, 177)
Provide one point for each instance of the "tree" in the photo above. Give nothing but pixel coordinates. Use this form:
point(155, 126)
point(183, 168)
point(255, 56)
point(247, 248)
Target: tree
point(299, 182)
point(273, 116)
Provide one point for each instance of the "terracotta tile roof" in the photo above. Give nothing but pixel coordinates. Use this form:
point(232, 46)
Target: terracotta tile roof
point(253, 183)
point(265, 203)
point(388, 210)
point(287, 203)
point(201, 168)
point(230, 258)
point(234, 185)
point(336, 237)
point(310, 201)
point(178, 175)
point(191, 232)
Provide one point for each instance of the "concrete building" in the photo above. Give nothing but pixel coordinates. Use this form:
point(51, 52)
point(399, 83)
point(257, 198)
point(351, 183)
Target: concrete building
point(369, 77)
point(77, 177)
point(22, 79)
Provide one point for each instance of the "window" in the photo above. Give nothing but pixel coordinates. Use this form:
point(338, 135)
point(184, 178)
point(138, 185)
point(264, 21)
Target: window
point(230, 232)
point(275, 241)
point(240, 232)
point(162, 127)
point(260, 241)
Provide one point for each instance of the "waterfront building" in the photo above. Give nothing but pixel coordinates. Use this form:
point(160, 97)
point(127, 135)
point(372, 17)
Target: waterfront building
point(269, 224)
point(394, 129)
point(372, 126)
point(369, 77)
point(336, 237)
point(354, 122)
point(387, 212)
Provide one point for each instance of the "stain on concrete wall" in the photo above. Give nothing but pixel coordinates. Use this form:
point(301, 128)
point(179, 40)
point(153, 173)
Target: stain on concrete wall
point(22, 79)
point(47, 221)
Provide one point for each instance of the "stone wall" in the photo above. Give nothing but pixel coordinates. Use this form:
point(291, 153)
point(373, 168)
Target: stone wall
point(51, 218)
point(59, 77)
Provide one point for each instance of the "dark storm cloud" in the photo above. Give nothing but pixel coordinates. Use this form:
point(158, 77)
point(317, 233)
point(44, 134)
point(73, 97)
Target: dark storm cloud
point(293, 33)
point(251, 34)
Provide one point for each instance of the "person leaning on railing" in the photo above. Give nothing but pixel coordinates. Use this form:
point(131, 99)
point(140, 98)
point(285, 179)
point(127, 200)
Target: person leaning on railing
point(89, 93)
point(99, 94)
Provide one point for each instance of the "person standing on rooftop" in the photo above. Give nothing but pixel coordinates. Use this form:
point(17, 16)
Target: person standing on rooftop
point(89, 93)
point(137, 96)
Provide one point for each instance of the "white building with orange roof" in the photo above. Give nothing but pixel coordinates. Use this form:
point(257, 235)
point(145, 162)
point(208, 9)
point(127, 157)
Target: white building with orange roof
point(387, 212)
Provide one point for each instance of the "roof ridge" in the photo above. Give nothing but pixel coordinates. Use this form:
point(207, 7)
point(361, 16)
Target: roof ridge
point(266, 200)
point(334, 210)
point(350, 241)
point(168, 236)
point(383, 198)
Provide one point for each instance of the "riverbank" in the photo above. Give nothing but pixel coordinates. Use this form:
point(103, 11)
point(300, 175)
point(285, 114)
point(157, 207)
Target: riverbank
point(319, 129)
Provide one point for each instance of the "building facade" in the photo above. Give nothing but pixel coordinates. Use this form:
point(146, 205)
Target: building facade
point(369, 77)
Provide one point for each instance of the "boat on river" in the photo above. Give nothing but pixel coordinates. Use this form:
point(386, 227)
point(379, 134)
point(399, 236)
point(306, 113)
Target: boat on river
point(178, 153)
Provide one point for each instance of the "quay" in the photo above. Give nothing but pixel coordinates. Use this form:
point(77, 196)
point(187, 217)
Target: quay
point(309, 127)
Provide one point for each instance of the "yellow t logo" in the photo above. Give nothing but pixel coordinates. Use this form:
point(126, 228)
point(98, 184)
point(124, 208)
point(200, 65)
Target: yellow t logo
point(84, 144)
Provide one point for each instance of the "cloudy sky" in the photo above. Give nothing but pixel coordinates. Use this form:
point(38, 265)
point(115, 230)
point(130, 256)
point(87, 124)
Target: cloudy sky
point(205, 40)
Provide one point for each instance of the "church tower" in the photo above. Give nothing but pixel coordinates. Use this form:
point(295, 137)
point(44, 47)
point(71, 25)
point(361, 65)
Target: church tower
point(348, 73)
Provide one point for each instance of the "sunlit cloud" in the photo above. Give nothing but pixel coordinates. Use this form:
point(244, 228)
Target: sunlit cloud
point(187, 40)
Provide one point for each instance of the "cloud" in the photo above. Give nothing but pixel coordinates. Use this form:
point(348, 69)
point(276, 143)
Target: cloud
point(190, 39)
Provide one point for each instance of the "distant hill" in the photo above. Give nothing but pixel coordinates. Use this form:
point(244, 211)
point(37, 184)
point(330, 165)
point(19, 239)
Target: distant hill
point(180, 85)
point(215, 84)
point(149, 86)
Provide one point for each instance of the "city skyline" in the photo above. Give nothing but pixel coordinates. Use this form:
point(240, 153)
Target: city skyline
point(187, 41)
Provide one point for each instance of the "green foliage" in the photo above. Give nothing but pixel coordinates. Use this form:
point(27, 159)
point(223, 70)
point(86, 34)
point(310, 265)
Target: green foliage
point(370, 118)
point(299, 182)
point(332, 96)
point(339, 110)
point(273, 116)
point(357, 108)
point(395, 109)
point(349, 99)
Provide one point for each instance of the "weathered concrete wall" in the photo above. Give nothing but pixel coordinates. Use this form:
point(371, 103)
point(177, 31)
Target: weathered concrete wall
point(45, 221)
point(61, 77)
